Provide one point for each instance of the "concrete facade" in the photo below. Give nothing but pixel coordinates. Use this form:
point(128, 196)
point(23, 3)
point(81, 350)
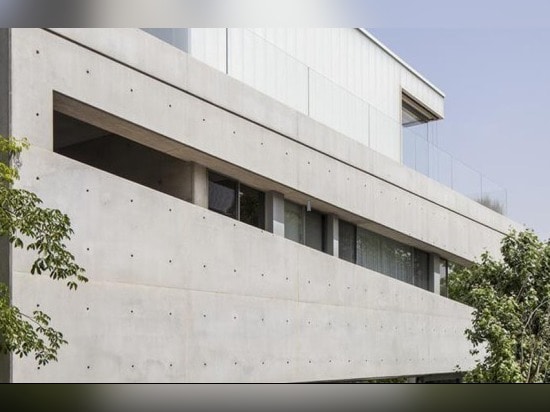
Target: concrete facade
point(179, 293)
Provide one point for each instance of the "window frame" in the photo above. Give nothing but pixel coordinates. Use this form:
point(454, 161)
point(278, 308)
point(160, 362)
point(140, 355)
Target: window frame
point(238, 193)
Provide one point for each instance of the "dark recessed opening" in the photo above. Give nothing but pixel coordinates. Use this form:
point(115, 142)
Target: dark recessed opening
point(120, 156)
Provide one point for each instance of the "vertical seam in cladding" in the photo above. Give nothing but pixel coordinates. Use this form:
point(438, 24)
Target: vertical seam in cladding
point(295, 140)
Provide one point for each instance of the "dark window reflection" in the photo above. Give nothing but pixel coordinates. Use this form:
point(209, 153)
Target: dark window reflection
point(315, 230)
point(346, 241)
point(222, 195)
point(294, 229)
point(421, 269)
point(252, 210)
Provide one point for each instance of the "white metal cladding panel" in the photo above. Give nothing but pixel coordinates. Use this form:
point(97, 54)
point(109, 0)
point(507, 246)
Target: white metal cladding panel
point(337, 108)
point(268, 69)
point(385, 135)
point(422, 92)
point(208, 45)
point(352, 60)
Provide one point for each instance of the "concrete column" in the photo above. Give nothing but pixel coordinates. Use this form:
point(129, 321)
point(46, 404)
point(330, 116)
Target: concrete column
point(275, 213)
point(433, 273)
point(331, 235)
point(196, 184)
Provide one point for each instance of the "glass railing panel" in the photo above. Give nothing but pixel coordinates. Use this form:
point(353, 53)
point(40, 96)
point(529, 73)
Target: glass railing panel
point(441, 166)
point(409, 149)
point(493, 196)
point(466, 180)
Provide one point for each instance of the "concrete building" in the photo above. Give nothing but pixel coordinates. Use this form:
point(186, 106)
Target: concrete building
point(244, 204)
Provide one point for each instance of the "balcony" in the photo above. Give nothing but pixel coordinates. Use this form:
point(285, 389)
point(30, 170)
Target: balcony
point(254, 60)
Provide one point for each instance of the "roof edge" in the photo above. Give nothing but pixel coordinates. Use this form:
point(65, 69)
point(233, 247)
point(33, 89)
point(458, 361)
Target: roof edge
point(400, 60)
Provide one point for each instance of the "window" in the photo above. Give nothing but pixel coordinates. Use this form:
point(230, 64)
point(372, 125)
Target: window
point(346, 241)
point(421, 269)
point(383, 255)
point(315, 229)
point(251, 206)
point(222, 195)
point(294, 222)
point(304, 227)
point(415, 120)
point(233, 199)
point(443, 270)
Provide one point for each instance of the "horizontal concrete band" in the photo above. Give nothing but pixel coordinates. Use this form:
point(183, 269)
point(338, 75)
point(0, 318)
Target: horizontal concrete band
point(179, 293)
point(294, 168)
point(200, 80)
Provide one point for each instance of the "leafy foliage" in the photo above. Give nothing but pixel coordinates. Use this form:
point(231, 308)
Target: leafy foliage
point(44, 231)
point(511, 318)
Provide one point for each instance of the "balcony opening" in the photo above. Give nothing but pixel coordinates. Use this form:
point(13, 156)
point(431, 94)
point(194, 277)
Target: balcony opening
point(120, 156)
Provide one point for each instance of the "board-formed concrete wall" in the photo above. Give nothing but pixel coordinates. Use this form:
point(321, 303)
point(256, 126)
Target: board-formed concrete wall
point(178, 293)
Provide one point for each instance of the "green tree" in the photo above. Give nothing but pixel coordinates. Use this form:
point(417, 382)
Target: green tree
point(511, 318)
point(43, 231)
